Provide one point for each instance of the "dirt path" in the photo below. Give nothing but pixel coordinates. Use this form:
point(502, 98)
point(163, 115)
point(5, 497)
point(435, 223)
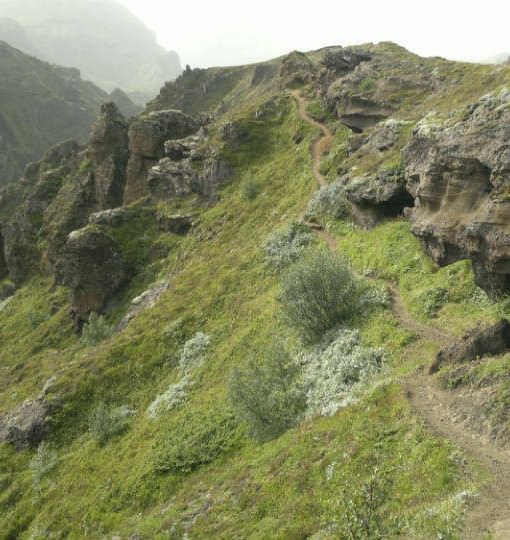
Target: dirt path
point(489, 515)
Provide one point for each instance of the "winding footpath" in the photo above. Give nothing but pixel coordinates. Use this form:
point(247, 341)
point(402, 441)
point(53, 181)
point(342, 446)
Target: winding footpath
point(488, 517)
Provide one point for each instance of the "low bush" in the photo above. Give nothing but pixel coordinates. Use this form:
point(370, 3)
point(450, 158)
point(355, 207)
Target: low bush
point(332, 369)
point(175, 396)
point(249, 188)
point(44, 461)
point(192, 354)
point(318, 293)
point(285, 246)
point(329, 201)
point(106, 422)
point(266, 394)
point(195, 438)
point(95, 330)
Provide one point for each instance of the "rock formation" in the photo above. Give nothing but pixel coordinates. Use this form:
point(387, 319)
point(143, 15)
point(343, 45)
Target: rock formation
point(147, 136)
point(460, 176)
point(92, 266)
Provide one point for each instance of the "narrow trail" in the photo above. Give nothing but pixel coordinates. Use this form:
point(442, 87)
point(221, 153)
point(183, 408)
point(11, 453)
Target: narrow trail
point(488, 516)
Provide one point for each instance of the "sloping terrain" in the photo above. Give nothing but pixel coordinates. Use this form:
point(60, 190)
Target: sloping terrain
point(146, 295)
point(107, 43)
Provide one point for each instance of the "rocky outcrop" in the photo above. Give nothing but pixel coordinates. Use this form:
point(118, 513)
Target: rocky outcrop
point(144, 301)
point(460, 176)
point(108, 154)
point(92, 266)
point(296, 69)
point(475, 344)
point(176, 223)
point(28, 424)
point(375, 197)
point(147, 136)
point(187, 169)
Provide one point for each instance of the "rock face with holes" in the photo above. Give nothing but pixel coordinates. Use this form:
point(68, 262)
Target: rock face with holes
point(477, 343)
point(460, 176)
point(187, 169)
point(375, 197)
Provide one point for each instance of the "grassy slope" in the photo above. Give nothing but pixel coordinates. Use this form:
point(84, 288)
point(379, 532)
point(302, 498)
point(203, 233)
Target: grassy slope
point(221, 286)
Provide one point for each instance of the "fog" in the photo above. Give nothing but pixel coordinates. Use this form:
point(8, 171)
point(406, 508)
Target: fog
point(225, 32)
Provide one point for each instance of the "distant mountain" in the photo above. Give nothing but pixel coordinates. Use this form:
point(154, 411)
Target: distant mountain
point(41, 105)
point(103, 39)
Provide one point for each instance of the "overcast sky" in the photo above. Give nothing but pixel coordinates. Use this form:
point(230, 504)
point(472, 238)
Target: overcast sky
point(225, 32)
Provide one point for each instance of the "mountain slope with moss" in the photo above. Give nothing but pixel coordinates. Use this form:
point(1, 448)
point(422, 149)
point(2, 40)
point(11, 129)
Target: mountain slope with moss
point(161, 377)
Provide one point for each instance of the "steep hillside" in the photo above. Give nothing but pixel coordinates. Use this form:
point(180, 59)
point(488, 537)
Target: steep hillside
point(103, 39)
point(198, 342)
point(41, 105)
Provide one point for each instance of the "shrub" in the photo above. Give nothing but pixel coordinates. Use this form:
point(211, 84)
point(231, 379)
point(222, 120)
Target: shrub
point(174, 397)
point(95, 330)
point(374, 296)
point(194, 439)
point(318, 293)
point(329, 201)
point(44, 461)
point(193, 352)
point(249, 188)
point(333, 368)
point(106, 422)
point(285, 246)
point(266, 395)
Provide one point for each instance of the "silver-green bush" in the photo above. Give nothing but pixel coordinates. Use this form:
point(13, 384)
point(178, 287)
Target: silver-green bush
point(332, 369)
point(43, 462)
point(329, 201)
point(107, 421)
point(285, 246)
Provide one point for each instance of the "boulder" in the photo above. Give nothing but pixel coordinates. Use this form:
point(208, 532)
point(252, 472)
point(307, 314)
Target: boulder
point(26, 425)
point(476, 343)
point(459, 173)
point(144, 301)
point(92, 266)
point(147, 136)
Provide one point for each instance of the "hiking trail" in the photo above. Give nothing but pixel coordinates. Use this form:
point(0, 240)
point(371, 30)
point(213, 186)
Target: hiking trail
point(488, 516)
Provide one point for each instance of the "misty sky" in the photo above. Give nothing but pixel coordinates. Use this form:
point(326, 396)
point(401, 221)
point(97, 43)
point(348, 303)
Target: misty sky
point(225, 32)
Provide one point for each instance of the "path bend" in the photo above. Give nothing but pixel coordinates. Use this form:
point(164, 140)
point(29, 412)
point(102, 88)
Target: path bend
point(489, 516)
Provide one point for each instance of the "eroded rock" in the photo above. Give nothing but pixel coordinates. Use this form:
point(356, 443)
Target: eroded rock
point(92, 266)
point(147, 136)
point(460, 175)
point(375, 197)
point(144, 301)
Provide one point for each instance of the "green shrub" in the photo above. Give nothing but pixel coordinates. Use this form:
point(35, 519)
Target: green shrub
point(95, 330)
point(266, 394)
point(318, 293)
point(195, 438)
point(249, 188)
point(285, 246)
point(106, 422)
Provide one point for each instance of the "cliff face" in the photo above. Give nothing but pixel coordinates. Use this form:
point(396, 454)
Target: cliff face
point(109, 45)
point(460, 177)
